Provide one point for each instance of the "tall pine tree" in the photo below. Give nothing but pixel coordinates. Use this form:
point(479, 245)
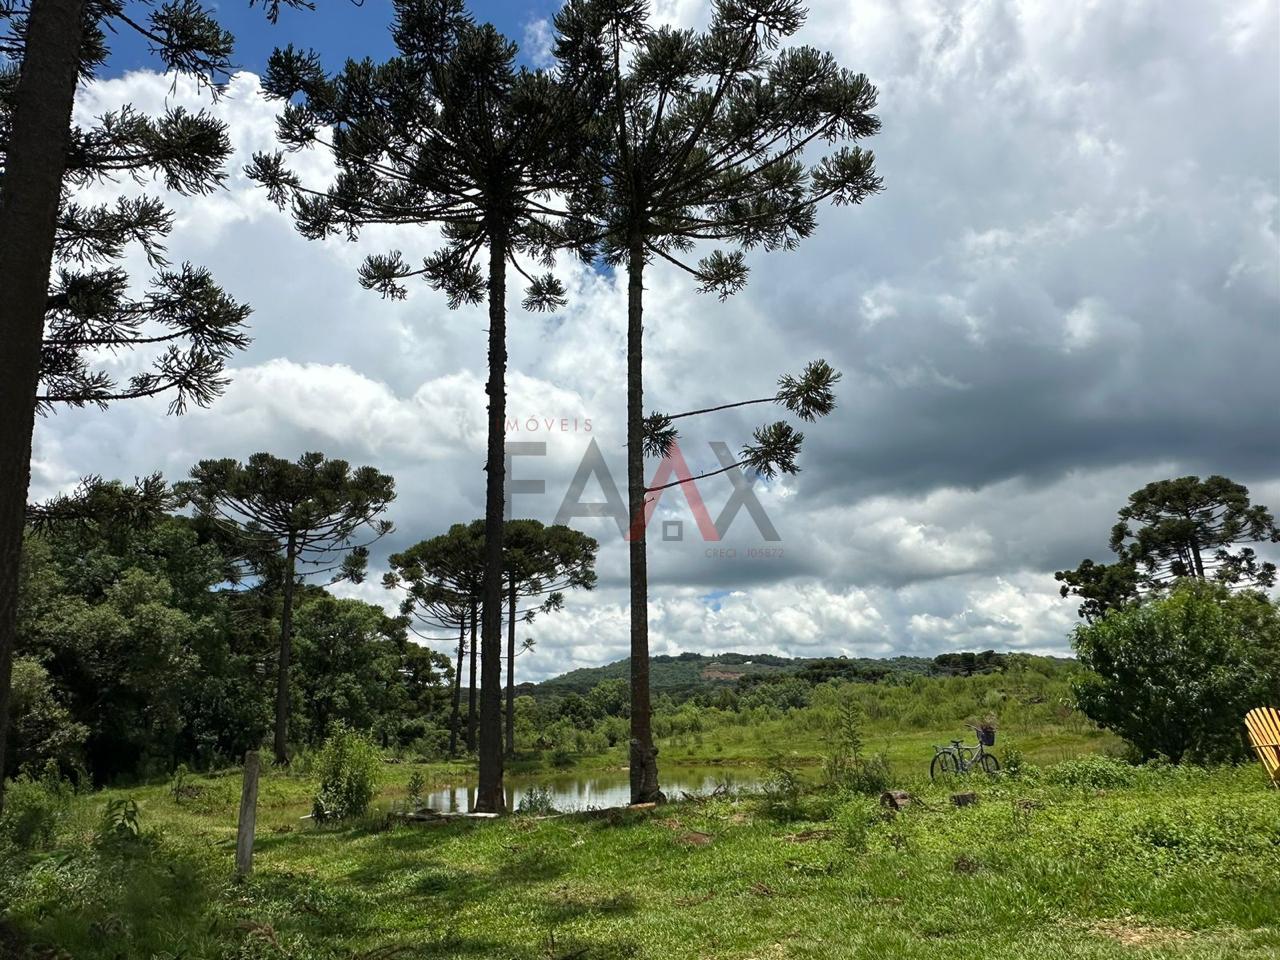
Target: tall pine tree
point(448, 132)
point(702, 139)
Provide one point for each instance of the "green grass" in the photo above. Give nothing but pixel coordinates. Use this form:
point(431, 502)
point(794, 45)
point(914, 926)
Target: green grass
point(1176, 863)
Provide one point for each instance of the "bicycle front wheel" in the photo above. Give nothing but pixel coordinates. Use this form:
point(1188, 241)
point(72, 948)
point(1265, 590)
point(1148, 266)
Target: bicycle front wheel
point(944, 765)
point(990, 765)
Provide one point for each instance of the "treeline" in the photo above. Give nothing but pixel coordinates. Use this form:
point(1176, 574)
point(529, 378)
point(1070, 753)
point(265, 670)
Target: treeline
point(689, 675)
point(135, 653)
point(161, 625)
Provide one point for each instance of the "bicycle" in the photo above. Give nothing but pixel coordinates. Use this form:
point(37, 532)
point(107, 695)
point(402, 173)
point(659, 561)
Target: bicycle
point(960, 758)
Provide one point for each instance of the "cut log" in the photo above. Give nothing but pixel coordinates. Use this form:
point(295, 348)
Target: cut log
point(896, 799)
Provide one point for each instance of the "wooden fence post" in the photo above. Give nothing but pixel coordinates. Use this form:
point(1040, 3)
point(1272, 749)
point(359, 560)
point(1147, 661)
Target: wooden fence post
point(248, 814)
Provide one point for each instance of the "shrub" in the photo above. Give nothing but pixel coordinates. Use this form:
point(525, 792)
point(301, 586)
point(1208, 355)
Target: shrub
point(121, 825)
point(1175, 676)
point(34, 807)
point(561, 756)
point(1018, 767)
point(870, 776)
point(349, 767)
point(415, 788)
point(1096, 772)
point(781, 790)
point(855, 821)
point(181, 787)
point(536, 801)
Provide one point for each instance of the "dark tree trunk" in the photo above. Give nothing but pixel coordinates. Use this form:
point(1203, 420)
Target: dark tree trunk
point(510, 739)
point(1199, 561)
point(472, 716)
point(644, 756)
point(286, 652)
point(455, 718)
point(35, 161)
point(489, 791)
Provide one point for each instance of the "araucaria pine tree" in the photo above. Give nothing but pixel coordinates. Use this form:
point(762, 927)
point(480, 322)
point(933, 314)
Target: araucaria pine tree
point(65, 300)
point(442, 580)
point(315, 517)
point(703, 139)
point(447, 132)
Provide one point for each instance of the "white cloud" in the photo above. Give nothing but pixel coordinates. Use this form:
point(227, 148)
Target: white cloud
point(1070, 287)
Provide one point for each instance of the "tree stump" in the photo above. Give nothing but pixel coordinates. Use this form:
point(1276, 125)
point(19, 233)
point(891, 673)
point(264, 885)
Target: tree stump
point(896, 800)
point(964, 799)
point(248, 815)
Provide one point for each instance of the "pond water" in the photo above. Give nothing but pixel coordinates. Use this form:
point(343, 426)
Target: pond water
point(594, 790)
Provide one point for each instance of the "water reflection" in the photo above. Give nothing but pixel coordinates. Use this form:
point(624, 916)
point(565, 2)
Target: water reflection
point(586, 791)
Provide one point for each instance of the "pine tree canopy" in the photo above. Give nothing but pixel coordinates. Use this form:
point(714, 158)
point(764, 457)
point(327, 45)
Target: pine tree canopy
point(709, 137)
point(182, 324)
point(448, 132)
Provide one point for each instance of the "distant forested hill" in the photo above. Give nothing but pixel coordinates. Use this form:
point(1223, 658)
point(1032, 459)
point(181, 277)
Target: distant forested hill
point(688, 674)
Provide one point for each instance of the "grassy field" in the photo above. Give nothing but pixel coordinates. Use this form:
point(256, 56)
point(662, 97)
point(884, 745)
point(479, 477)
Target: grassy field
point(1088, 858)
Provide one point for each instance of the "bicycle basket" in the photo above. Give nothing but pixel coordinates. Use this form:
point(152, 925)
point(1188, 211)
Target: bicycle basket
point(987, 735)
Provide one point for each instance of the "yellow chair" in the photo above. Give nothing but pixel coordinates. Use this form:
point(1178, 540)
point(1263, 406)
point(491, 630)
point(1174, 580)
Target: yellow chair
point(1263, 724)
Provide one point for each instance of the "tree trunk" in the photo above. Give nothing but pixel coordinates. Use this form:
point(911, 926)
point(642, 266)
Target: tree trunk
point(644, 762)
point(1199, 561)
point(490, 797)
point(455, 719)
point(35, 160)
point(286, 651)
point(472, 717)
point(510, 739)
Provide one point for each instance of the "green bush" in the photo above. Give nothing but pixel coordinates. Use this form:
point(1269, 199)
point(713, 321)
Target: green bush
point(1097, 772)
point(855, 821)
point(536, 801)
point(34, 807)
point(121, 824)
point(349, 767)
point(869, 776)
point(1175, 676)
point(1017, 767)
point(416, 788)
point(781, 791)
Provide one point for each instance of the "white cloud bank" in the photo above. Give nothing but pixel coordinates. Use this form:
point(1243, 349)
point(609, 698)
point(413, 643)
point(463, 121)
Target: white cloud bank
point(1071, 286)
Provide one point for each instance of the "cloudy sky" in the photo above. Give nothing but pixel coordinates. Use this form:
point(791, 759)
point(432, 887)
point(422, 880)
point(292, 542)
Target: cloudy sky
point(1070, 287)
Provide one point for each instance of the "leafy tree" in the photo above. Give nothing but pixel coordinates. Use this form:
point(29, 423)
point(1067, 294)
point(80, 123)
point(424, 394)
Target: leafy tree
point(447, 132)
point(967, 663)
point(442, 579)
point(289, 516)
point(349, 656)
point(540, 561)
point(609, 698)
point(123, 645)
point(702, 138)
point(43, 728)
point(1100, 586)
point(1174, 529)
point(1176, 675)
point(56, 328)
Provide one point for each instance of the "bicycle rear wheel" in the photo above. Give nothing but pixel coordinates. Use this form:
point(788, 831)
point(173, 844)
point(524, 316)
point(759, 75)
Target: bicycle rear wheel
point(989, 764)
point(944, 765)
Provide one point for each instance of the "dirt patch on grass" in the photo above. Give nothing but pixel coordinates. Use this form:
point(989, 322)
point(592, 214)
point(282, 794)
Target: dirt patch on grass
point(695, 838)
point(1129, 932)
